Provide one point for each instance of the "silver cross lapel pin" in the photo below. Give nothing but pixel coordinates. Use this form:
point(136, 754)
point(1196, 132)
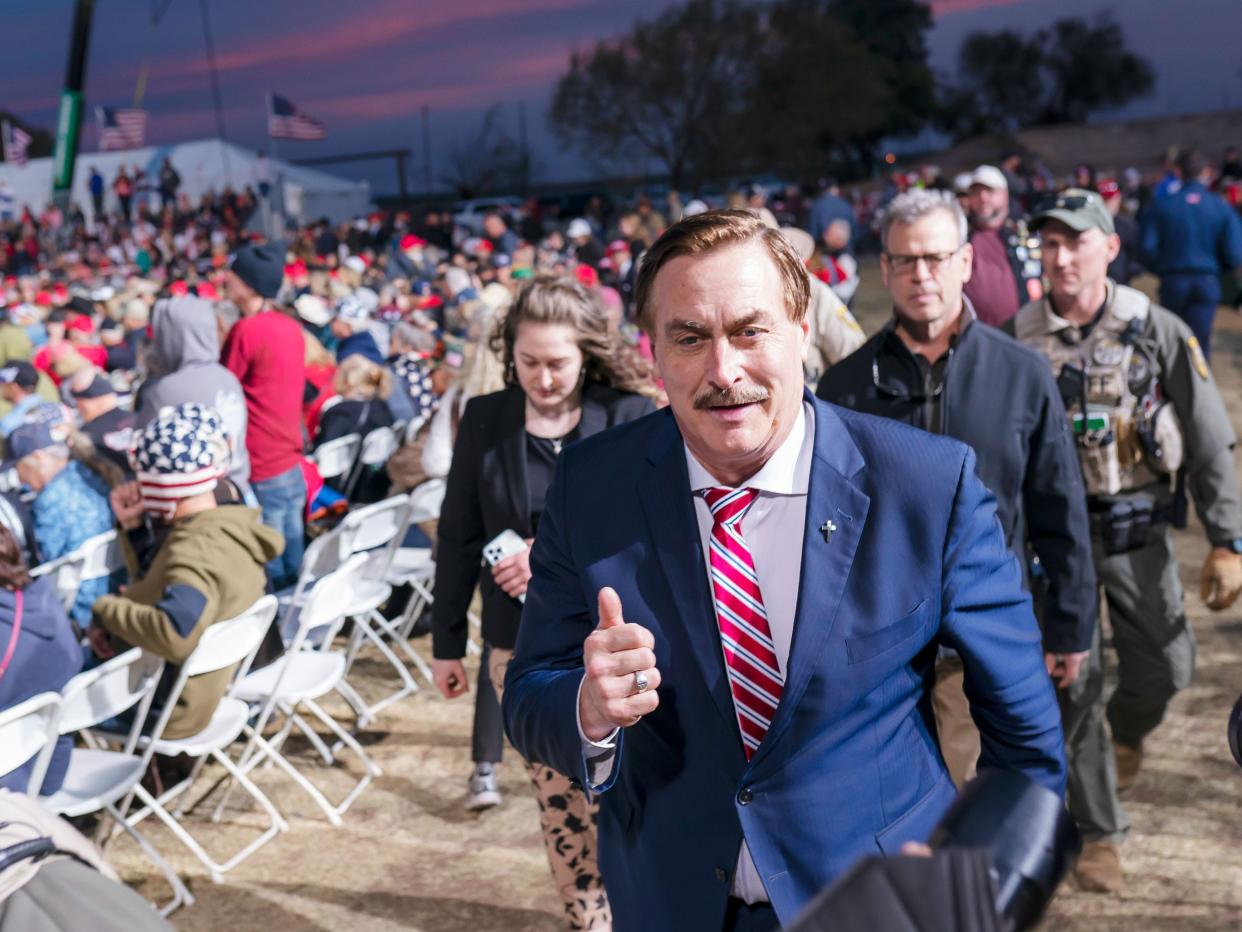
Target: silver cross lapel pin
point(828, 528)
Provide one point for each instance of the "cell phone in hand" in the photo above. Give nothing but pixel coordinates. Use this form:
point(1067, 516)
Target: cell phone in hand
point(505, 544)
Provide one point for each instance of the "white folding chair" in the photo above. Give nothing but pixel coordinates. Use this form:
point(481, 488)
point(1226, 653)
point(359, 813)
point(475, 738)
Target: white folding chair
point(223, 645)
point(99, 556)
point(365, 530)
point(296, 681)
point(97, 778)
point(414, 566)
point(375, 530)
point(377, 446)
point(28, 731)
point(336, 458)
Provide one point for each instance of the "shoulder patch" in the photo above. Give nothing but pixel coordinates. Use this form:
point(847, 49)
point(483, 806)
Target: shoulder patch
point(849, 319)
point(1197, 358)
point(184, 607)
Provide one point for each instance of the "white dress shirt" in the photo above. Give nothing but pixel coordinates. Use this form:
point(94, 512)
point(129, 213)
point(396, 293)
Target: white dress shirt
point(773, 529)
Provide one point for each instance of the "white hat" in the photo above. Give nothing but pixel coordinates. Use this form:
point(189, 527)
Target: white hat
point(695, 207)
point(578, 227)
point(990, 177)
point(312, 309)
point(356, 264)
point(802, 241)
point(961, 182)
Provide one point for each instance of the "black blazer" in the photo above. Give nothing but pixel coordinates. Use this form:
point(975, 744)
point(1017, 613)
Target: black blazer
point(487, 493)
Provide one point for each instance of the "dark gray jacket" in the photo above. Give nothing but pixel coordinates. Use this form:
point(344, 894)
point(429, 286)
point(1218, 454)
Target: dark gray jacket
point(185, 366)
point(999, 397)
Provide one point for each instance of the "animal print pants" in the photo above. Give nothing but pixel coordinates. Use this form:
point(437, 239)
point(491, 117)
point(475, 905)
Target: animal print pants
point(568, 820)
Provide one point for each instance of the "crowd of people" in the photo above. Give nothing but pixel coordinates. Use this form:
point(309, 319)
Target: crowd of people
point(167, 372)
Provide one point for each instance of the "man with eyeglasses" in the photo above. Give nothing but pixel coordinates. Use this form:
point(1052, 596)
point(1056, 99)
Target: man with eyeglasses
point(935, 367)
point(1148, 422)
point(1007, 271)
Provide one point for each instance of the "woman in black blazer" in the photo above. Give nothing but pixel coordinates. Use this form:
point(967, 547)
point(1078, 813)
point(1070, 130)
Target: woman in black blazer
point(567, 380)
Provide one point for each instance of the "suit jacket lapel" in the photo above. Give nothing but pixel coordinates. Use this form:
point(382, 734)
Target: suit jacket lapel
point(826, 563)
point(594, 415)
point(512, 449)
point(674, 528)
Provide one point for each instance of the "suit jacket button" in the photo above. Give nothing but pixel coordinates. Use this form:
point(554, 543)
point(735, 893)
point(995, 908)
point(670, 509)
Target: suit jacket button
point(745, 796)
point(721, 875)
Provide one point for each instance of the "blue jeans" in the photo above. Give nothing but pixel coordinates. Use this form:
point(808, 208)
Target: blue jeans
point(1193, 298)
point(283, 501)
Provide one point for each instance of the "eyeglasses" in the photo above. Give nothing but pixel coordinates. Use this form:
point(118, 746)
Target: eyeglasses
point(901, 264)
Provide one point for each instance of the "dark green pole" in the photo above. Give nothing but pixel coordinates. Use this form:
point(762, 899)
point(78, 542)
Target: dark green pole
point(69, 121)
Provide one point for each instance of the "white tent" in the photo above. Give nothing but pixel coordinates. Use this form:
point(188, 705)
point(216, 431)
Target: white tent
point(205, 165)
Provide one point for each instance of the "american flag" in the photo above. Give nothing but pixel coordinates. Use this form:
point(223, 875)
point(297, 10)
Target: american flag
point(285, 121)
point(121, 129)
point(16, 141)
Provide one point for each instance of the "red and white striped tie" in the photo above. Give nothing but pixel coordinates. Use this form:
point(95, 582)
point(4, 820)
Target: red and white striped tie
point(755, 677)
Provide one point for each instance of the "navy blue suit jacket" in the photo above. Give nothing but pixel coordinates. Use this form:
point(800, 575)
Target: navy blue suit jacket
point(850, 765)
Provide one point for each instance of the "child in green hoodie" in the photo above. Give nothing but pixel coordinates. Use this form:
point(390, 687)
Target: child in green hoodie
point(208, 567)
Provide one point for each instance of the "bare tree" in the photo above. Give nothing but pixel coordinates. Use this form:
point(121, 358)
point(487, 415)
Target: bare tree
point(489, 160)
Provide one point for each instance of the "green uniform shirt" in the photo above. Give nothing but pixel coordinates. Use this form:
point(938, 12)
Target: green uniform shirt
point(1187, 382)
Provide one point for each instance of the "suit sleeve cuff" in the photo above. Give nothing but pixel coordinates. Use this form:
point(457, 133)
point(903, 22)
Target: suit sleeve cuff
point(598, 756)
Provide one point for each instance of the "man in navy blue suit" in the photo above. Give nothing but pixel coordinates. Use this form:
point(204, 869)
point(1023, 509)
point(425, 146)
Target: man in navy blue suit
point(736, 606)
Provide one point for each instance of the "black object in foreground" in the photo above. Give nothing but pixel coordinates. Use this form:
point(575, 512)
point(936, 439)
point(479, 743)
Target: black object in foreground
point(998, 855)
point(1235, 731)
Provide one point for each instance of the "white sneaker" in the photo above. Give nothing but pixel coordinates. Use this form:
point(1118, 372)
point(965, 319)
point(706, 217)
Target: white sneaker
point(482, 791)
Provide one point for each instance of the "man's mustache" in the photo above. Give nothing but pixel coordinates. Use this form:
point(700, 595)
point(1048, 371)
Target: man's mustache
point(730, 397)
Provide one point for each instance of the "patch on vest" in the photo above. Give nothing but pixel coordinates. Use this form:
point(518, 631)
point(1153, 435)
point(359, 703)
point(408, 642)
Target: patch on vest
point(1197, 358)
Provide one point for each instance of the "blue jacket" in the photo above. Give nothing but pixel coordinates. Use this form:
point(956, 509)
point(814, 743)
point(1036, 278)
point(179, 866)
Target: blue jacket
point(70, 510)
point(850, 765)
point(1190, 231)
point(361, 343)
point(46, 658)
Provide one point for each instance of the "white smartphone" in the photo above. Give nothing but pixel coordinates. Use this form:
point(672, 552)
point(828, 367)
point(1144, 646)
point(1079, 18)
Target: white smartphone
point(505, 544)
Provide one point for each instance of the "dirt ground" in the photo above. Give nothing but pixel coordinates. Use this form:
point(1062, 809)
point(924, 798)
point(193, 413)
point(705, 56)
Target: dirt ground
point(410, 857)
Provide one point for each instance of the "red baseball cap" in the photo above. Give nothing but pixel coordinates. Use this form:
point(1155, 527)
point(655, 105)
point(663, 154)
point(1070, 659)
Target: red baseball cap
point(587, 275)
point(81, 323)
point(410, 241)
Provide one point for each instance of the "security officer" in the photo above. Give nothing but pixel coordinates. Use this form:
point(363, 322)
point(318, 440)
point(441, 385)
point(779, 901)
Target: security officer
point(1189, 238)
point(1148, 421)
point(834, 332)
point(936, 367)
point(1007, 271)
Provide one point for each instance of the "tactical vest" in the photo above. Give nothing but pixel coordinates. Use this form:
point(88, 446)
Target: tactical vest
point(1128, 434)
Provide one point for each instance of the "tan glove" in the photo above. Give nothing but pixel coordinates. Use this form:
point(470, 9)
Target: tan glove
point(1221, 578)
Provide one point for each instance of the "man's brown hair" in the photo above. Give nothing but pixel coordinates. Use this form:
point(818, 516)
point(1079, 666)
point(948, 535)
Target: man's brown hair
point(719, 229)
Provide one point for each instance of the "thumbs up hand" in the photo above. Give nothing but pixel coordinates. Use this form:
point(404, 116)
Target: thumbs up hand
point(619, 658)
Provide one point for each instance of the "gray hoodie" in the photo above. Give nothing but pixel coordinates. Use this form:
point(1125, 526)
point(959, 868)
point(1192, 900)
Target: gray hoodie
point(186, 349)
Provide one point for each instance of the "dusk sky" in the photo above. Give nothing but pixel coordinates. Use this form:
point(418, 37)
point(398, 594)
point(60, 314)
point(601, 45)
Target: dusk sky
point(366, 68)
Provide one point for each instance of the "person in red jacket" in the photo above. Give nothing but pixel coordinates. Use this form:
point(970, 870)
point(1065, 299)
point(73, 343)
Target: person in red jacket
point(265, 351)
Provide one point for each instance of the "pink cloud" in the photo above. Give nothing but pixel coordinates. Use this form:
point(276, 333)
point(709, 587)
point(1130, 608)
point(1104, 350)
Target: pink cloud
point(532, 71)
point(949, 7)
point(380, 28)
